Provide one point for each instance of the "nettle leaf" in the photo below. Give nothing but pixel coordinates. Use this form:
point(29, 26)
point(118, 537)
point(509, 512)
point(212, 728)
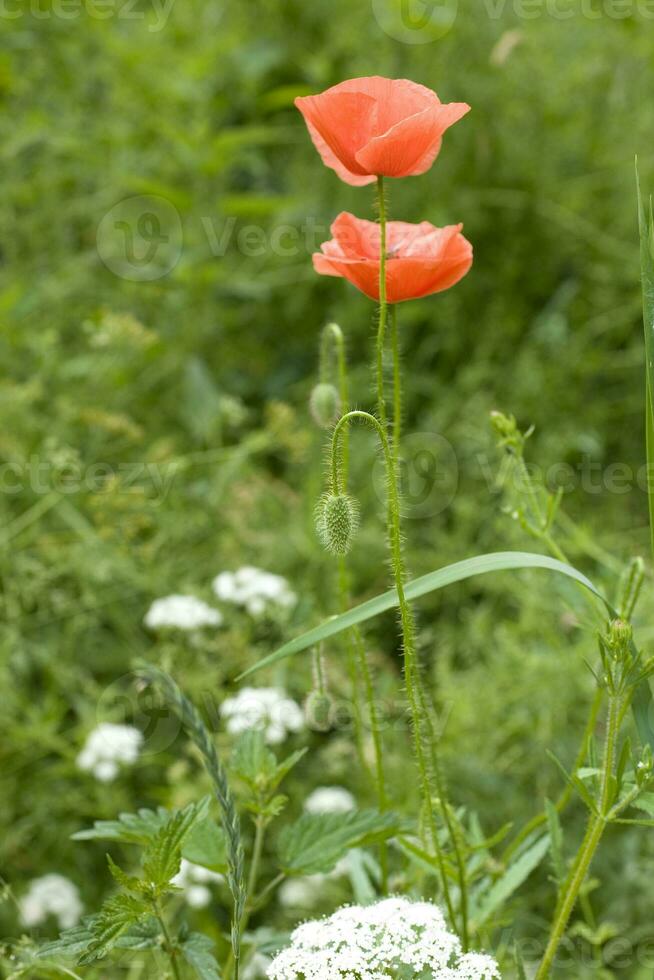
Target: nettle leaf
point(163, 855)
point(257, 765)
point(129, 828)
point(197, 950)
point(516, 874)
point(252, 760)
point(143, 934)
point(115, 917)
point(317, 842)
point(206, 844)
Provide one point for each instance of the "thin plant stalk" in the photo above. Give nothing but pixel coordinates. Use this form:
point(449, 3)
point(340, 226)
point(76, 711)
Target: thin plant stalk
point(421, 722)
point(416, 702)
point(332, 336)
point(596, 826)
point(168, 943)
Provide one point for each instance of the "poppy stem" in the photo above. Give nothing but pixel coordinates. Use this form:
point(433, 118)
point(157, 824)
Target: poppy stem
point(397, 385)
point(333, 340)
point(383, 305)
point(420, 721)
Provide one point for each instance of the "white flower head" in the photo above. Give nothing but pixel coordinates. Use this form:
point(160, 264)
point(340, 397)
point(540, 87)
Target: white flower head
point(394, 936)
point(107, 748)
point(330, 799)
point(183, 612)
point(266, 708)
point(255, 590)
point(51, 895)
point(193, 879)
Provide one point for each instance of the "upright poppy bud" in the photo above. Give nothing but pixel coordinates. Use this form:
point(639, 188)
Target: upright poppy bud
point(325, 405)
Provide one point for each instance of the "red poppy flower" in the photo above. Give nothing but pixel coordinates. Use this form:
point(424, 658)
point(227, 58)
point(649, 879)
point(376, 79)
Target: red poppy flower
point(421, 259)
point(370, 127)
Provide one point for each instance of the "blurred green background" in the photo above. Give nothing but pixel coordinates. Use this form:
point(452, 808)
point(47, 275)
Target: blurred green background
point(160, 317)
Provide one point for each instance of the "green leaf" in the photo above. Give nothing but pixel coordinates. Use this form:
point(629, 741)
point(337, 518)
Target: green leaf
point(252, 760)
point(645, 802)
point(163, 855)
point(129, 828)
point(516, 874)
point(115, 917)
point(205, 844)
point(458, 572)
point(556, 840)
point(317, 841)
point(197, 950)
point(143, 934)
point(257, 765)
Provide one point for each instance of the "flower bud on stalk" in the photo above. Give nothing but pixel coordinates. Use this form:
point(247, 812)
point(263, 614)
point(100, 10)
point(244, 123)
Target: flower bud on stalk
point(325, 405)
point(337, 520)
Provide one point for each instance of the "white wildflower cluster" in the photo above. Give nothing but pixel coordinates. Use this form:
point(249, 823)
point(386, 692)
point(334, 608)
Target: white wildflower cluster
point(330, 799)
point(107, 748)
point(257, 591)
point(266, 708)
point(393, 937)
point(193, 879)
point(182, 612)
point(51, 895)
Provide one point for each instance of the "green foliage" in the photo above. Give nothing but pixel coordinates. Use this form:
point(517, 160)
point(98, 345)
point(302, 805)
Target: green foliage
point(317, 842)
point(197, 950)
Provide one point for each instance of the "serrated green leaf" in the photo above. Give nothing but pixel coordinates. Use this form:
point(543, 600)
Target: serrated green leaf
point(197, 950)
point(645, 802)
point(163, 855)
point(317, 842)
point(129, 828)
point(205, 844)
point(116, 916)
point(128, 882)
point(515, 875)
point(252, 760)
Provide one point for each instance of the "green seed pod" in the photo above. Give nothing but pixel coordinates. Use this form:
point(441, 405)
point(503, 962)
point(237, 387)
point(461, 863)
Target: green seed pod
point(325, 405)
point(318, 711)
point(337, 520)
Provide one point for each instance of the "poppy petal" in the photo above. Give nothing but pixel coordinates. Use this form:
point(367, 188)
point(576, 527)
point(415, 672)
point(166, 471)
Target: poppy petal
point(344, 120)
point(410, 147)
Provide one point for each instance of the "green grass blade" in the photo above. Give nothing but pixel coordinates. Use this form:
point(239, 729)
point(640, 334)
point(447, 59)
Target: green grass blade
point(461, 570)
point(646, 228)
point(480, 565)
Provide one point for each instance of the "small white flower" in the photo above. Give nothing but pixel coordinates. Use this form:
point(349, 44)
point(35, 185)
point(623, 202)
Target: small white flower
point(107, 747)
point(300, 893)
point(254, 589)
point(394, 936)
point(265, 708)
point(193, 880)
point(51, 895)
point(184, 612)
point(330, 799)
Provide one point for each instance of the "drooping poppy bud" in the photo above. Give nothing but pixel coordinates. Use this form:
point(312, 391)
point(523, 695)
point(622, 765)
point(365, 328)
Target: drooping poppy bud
point(337, 520)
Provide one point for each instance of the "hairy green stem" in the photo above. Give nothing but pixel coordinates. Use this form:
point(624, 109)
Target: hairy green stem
point(333, 339)
point(383, 305)
point(397, 386)
point(414, 695)
point(596, 826)
point(168, 943)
